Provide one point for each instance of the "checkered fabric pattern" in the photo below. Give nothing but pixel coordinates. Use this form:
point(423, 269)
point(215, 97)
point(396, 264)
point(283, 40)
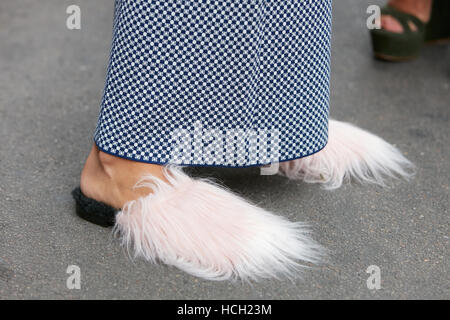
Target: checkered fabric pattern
point(219, 82)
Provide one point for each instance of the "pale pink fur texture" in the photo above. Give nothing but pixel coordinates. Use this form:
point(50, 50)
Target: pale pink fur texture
point(210, 232)
point(351, 153)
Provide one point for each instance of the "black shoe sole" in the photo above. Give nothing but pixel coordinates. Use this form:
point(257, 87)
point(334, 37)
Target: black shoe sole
point(94, 211)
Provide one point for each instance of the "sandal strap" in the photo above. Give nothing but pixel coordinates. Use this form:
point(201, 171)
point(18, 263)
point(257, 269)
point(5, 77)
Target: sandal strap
point(404, 19)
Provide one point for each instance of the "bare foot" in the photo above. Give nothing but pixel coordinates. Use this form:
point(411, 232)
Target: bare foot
point(111, 179)
point(419, 8)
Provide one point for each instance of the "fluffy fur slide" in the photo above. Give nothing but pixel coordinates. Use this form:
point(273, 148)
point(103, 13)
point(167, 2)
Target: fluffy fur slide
point(212, 233)
point(351, 154)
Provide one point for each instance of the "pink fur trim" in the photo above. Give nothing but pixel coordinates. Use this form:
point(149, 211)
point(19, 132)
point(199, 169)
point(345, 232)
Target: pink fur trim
point(209, 232)
point(351, 153)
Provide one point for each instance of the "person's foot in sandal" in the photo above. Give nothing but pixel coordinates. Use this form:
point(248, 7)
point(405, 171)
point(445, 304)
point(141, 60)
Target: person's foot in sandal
point(402, 33)
point(406, 25)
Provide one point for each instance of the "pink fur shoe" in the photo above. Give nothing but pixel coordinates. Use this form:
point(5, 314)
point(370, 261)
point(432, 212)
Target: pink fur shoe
point(209, 232)
point(351, 153)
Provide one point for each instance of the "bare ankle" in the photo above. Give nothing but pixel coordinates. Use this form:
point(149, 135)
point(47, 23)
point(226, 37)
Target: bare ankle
point(106, 158)
point(108, 163)
point(111, 179)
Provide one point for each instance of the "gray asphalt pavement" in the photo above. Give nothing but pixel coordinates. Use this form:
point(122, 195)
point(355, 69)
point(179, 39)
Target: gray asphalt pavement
point(51, 82)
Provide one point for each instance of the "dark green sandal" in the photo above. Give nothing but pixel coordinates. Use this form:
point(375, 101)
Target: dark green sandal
point(392, 46)
point(403, 46)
